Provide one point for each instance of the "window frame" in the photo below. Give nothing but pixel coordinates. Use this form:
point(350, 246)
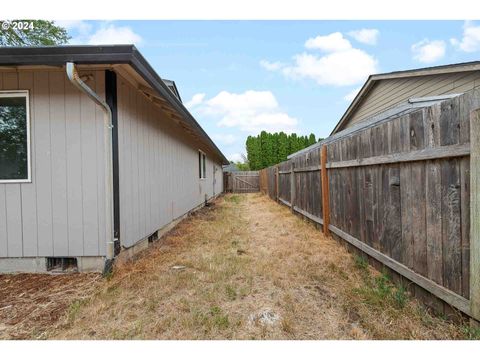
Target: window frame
point(202, 164)
point(25, 94)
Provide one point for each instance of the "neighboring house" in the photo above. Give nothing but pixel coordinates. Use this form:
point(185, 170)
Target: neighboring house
point(73, 193)
point(230, 168)
point(384, 95)
point(382, 92)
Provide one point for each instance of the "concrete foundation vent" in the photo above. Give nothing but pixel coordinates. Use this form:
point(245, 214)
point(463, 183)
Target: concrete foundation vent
point(61, 264)
point(153, 237)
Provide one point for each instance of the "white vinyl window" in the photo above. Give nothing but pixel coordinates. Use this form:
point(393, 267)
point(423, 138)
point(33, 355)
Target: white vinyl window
point(14, 137)
point(202, 164)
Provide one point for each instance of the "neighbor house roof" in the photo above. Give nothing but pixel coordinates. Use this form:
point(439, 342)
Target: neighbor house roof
point(110, 54)
point(230, 168)
point(373, 79)
point(173, 88)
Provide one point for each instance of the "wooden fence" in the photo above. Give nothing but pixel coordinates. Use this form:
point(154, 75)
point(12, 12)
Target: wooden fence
point(404, 190)
point(242, 181)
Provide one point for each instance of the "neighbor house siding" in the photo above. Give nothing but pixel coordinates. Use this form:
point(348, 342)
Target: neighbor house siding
point(387, 93)
point(61, 212)
point(158, 167)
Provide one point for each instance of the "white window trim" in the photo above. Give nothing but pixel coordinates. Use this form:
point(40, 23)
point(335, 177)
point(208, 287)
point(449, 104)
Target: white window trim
point(203, 166)
point(26, 95)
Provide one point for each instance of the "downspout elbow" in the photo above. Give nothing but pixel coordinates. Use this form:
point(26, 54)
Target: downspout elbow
point(75, 79)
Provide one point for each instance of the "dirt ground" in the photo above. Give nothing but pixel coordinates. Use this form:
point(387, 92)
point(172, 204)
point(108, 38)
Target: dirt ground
point(31, 303)
point(245, 268)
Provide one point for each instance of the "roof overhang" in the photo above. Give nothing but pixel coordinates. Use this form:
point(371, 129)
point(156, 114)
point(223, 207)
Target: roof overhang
point(373, 79)
point(108, 54)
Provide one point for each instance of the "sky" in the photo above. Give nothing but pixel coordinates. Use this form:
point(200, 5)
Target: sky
point(240, 77)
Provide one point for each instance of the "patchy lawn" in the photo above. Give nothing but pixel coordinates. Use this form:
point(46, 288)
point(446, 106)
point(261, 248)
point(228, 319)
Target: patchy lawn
point(245, 268)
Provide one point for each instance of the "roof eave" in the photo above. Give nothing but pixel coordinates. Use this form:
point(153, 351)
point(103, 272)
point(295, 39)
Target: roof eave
point(109, 54)
point(143, 68)
point(363, 91)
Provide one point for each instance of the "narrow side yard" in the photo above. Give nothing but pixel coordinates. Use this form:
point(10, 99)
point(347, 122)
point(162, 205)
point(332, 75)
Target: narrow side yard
point(245, 268)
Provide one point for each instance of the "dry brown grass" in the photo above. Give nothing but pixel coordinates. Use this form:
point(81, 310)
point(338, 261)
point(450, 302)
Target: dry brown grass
point(245, 257)
point(32, 303)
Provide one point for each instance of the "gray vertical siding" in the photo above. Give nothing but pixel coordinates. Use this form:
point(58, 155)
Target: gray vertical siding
point(158, 165)
point(61, 212)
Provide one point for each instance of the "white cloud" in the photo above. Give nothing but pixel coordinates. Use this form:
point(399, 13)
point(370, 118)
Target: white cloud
point(111, 34)
point(251, 111)
point(237, 157)
point(329, 43)
point(249, 102)
point(107, 33)
point(352, 94)
point(78, 25)
point(365, 36)
point(226, 139)
point(341, 65)
point(196, 99)
point(427, 51)
point(339, 68)
point(470, 41)
point(271, 66)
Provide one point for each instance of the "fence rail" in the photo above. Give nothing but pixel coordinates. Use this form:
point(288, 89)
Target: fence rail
point(406, 192)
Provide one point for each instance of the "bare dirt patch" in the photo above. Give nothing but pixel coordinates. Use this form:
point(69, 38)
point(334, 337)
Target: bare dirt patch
point(247, 268)
point(31, 303)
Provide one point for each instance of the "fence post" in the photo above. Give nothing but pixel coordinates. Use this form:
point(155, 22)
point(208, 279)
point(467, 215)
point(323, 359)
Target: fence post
point(292, 185)
point(474, 214)
point(325, 191)
point(276, 183)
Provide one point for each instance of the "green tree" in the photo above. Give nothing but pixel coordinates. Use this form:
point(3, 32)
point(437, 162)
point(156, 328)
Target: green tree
point(292, 143)
point(33, 33)
point(264, 149)
point(282, 147)
point(242, 165)
point(267, 149)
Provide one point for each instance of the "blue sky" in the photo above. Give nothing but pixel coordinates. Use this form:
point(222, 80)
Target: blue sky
point(239, 77)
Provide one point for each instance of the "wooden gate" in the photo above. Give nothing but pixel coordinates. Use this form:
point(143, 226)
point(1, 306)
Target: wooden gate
point(242, 181)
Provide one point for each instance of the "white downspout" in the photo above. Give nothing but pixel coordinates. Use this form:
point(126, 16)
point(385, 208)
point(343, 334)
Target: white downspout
point(75, 79)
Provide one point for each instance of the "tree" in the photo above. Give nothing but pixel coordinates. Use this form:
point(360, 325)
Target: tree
point(282, 147)
point(267, 149)
point(32, 33)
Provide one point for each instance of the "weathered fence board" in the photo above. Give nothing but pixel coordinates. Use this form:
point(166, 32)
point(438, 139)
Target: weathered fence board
point(401, 190)
point(284, 181)
point(475, 211)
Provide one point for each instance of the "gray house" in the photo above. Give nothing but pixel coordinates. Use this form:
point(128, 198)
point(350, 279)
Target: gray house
point(384, 92)
point(97, 155)
point(388, 94)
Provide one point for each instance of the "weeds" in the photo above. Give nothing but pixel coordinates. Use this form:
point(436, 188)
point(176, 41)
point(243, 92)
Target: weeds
point(379, 291)
point(216, 318)
point(400, 296)
point(231, 293)
point(361, 263)
point(471, 333)
point(233, 198)
point(74, 308)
